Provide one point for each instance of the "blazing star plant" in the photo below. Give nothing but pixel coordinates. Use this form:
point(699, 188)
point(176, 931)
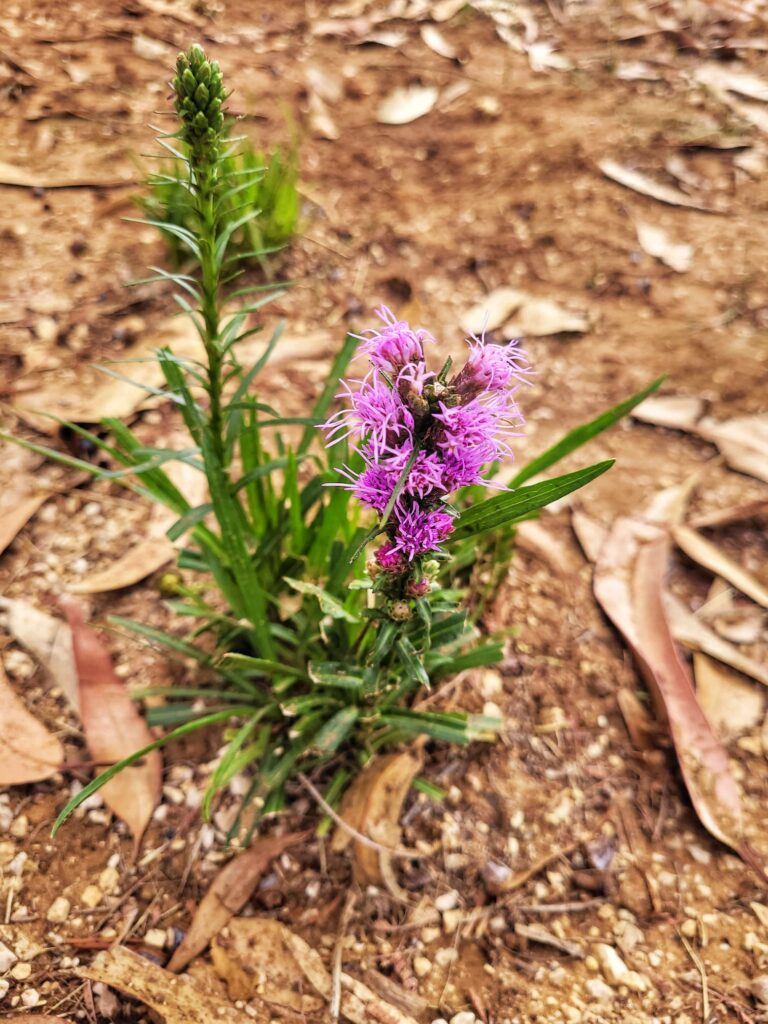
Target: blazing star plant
point(313, 652)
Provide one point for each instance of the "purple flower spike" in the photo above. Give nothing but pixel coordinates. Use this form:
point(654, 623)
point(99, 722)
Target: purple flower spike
point(456, 428)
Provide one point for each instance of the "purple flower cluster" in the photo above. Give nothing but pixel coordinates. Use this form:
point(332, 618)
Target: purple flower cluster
point(422, 435)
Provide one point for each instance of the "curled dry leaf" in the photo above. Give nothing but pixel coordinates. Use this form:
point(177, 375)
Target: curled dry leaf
point(111, 397)
point(629, 584)
point(407, 104)
point(535, 537)
point(734, 514)
point(28, 752)
point(731, 704)
point(436, 41)
point(742, 440)
point(590, 533)
point(709, 556)
point(733, 78)
point(113, 727)
point(49, 639)
point(22, 177)
point(690, 631)
point(678, 412)
point(640, 726)
point(155, 550)
point(372, 806)
point(538, 318)
point(252, 957)
point(176, 1000)
point(319, 118)
point(228, 894)
point(493, 310)
point(657, 243)
point(638, 182)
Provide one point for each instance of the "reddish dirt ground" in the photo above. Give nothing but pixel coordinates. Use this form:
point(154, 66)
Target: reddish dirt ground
point(499, 185)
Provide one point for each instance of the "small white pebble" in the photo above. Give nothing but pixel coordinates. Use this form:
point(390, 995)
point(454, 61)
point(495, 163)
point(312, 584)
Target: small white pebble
point(4, 986)
point(7, 958)
point(421, 966)
point(447, 901)
point(19, 827)
point(30, 997)
point(58, 912)
point(21, 971)
point(445, 956)
point(91, 896)
point(464, 1017)
point(156, 937)
point(109, 880)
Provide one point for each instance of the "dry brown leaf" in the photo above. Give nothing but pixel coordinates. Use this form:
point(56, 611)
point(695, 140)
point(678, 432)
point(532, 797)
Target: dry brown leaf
point(251, 958)
point(176, 1000)
point(590, 533)
point(406, 104)
point(735, 514)
point(155, 550)
point(26, 483)
point(493, 310)
point(40, 1018)
point(15, 513)
point(113, 728)
point(22, 177)
point(657, 243)
point(638, 182)
point(678, 412)
point(709, 556)
point(732, 705)
point(690, 631)
point(49, 639)
point(372, 806)
point(444, 10)
point(538, 933)
point(733, 78)
point(743, 441)
point(640, 726)
point(228, 894)
point(28, 752)
point(533, 536)
point(629, 585)
point(538, 318)
point(112, 397)
point(436, 41)
point(319, 118)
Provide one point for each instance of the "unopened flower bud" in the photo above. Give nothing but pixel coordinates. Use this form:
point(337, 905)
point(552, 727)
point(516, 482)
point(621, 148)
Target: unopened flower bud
point(200, 94)
point(373, 568)
point(399, 611)
point(431, 568)
point(418, 588)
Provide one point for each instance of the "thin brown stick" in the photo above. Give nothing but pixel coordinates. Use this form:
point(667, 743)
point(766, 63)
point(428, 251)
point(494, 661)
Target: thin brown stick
point(338, 953)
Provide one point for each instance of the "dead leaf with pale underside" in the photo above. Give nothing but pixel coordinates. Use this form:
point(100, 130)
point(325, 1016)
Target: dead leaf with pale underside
point(639, 182)
point(228, 894)
point(404, 105)
point(49, 639)
point(28, 752)
point(629, 585)
point(709, 556)
point(732, 705)
point(155, 550)
point(267, 956)
point(677, 412)
point(742, 440)
point(113, 727)
point(372, 806)
point(176, 1000)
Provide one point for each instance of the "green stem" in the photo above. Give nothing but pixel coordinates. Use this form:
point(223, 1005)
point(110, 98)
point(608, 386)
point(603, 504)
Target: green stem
point(205, 187)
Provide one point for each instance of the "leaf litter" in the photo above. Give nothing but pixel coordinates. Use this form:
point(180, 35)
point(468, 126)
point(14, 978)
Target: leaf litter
point(28, 751)
point(113, 727)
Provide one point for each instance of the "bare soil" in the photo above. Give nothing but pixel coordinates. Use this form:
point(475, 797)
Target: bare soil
point(498, 185)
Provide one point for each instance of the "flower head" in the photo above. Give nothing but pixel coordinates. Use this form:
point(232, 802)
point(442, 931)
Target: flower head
point(200, 94)
point(423, 436)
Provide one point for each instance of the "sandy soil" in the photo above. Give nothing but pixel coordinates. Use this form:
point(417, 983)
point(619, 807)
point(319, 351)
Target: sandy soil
point(498, 185)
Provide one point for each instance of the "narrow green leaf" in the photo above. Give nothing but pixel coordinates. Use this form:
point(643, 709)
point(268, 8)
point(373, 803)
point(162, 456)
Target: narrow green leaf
point(331, 735)
point(510, 506)
point(328, 604)
point(580, 435)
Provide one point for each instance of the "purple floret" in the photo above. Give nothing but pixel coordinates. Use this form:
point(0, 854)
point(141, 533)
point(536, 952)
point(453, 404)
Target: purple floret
point(396, 345)
point(421, 530)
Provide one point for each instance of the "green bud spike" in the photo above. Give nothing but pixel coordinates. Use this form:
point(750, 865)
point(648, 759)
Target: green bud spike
point(200, 94)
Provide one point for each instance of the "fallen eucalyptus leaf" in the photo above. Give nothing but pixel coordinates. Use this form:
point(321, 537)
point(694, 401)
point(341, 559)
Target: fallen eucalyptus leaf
point(372, 806)
point(731, 704)
point(22, 177)
point(49, 639)
point(678, 412)
point(690, 631)
point(113, 728)
point(493, 310)
point(742, 440)
point(709, 556)
point(541, 317)
point(407, 104)
point(176, 1000)
point(590, 533)
point(28, 752)
point(657, 243)
point(228, 894)
point(629, 585)
point(436, 41)
point(638, 182)
point(718, 75)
